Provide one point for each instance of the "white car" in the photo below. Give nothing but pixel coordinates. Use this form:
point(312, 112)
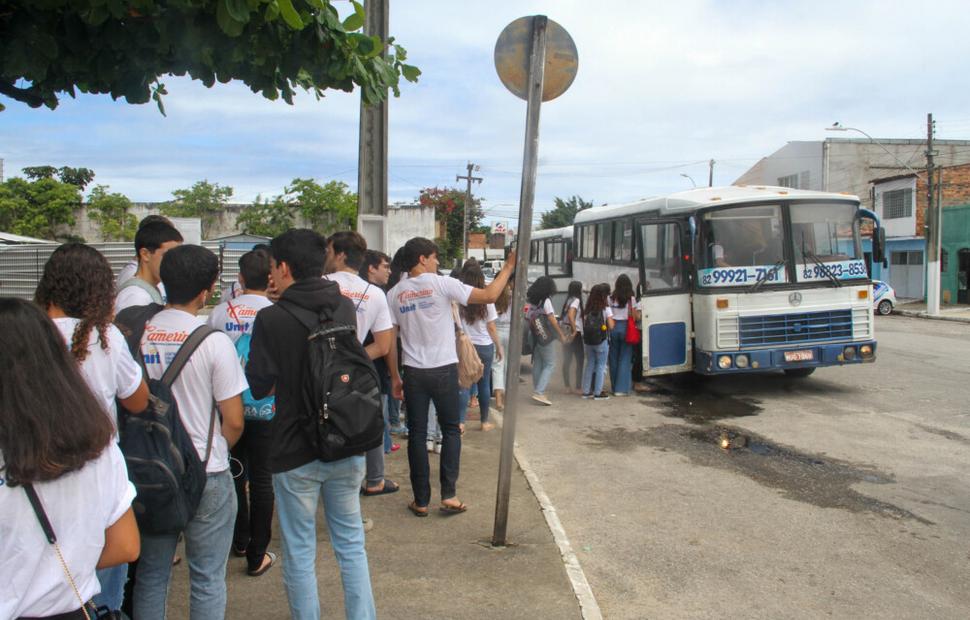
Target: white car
point(883, 297)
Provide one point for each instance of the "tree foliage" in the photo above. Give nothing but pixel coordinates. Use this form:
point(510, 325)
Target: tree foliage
point(324, 208)
point(203, 200)
point(110, 211)
point(449, 207)
point(37, 208)
point(79, 177)
point(564, 213)
point(49, 48)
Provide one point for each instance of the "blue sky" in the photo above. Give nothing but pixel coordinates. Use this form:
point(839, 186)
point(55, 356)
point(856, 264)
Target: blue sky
point(662, 87)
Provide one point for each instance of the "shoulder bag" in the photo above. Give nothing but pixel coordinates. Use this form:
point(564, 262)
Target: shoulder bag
point(470, 366)
point(633, 335)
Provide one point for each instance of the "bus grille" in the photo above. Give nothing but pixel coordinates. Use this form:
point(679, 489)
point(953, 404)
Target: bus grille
point(795, 328)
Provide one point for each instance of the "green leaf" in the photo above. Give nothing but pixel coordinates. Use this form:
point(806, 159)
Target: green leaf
point(354, 22)
point(290, 16)
point(227, 24)
point(238, 10)
point(410, 72)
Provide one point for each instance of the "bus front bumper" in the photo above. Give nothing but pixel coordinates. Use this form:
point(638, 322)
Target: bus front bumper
point(760, 360)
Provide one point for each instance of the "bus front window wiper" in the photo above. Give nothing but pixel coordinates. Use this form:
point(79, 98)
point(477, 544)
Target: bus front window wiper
point(766, 276)
point(818, 263)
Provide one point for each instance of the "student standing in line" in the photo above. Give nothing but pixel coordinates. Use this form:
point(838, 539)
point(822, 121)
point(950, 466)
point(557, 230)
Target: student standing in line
point(571, 318)
point(254, 516)
point(277, 358)
point(129, 269)
point(625, 308)
point(79, 477)
point(543, 355)
point(597, 325)
point(478, 321)
point(503, 307)
point(212, 375)
point(76, 290)
point(345, 253)
point(152, 241)
point(421, 308)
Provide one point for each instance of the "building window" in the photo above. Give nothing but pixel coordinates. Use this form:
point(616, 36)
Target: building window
point(789, 181)
point(897, 203)
point(944, 260)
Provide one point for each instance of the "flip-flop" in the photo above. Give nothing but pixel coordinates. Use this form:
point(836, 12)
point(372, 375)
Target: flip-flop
point(264, 567)
point(389, 487)
point(447, 509)
point(419, 511)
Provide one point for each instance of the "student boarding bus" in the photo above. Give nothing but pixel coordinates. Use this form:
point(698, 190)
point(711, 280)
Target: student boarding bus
point(739, 279)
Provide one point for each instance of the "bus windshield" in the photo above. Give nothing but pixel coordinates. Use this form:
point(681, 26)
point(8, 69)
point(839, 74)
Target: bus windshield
point(825, 242)
point(742, 246)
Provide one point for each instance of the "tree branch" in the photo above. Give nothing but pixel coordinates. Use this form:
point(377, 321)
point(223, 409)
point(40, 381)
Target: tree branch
point(24, 95)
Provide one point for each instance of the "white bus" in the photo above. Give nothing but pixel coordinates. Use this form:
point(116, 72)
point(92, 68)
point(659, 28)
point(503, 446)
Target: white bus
point(551, 254)
point(739, 279)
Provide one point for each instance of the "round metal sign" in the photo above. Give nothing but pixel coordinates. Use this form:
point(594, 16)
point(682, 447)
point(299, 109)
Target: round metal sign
point(512, 58)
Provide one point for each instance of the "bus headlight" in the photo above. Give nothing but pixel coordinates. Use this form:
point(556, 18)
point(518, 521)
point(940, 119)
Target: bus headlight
point(865, 351)
point(741, 361)
point(849, 353)
point(724, 362)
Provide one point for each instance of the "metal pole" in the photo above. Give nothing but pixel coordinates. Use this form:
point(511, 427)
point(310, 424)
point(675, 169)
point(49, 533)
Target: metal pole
point(710, 174)
point(514, 352)
point(934, 221)
point(468, 202)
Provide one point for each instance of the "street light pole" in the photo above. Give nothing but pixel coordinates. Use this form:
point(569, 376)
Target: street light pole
point(689, 178)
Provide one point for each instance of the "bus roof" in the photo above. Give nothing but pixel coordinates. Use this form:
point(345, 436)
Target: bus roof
point(565, 232)
point(691, 200)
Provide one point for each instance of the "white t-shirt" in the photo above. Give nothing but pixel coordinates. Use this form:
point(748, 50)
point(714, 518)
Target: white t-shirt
point(132, 296)
point(128, 272)
point(546, 307)
point(579, 317)
point(235, 317)
point(478, 331)
point(620, 312)
point(212, 374)
point(421, 308)
point(109, 374)
point(369, 301)
point(80, 506)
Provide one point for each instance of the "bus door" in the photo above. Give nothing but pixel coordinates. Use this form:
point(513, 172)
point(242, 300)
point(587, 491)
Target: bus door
point(665, 303)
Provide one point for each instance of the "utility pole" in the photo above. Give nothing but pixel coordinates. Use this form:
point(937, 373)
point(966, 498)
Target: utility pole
point(372, 150)
point(710, 174)
point(468, 202)
point(934, 220)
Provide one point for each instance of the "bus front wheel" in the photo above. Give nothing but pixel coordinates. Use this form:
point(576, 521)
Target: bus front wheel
point(798, 372)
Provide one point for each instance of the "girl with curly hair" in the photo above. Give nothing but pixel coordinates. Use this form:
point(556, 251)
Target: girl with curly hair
point(543, 355)
point(77, 292)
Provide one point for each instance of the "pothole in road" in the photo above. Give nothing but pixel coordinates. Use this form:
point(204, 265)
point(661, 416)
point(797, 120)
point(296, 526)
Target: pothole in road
point(692, 400)
point(809, 478)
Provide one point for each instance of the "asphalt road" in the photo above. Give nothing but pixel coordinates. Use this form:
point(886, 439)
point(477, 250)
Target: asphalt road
point(846, 495)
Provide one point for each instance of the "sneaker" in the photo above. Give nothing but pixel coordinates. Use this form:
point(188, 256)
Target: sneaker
point(399, 429)
point(430, 445)
point(541, 399)
point(368, 524)
point(621, 393)
point(437, 447)
point(587, 395)
point(602, 396)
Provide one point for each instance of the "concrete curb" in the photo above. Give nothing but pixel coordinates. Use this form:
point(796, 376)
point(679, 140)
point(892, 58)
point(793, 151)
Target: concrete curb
point(922, 315)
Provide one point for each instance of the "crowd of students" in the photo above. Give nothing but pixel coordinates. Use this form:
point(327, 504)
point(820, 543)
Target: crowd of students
point(69, 537)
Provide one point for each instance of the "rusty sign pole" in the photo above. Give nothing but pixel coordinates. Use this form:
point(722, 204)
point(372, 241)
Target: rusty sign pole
point(537, 61)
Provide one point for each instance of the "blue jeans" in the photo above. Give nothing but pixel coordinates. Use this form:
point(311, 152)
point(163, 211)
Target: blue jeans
point(594, 373)
point(422, 388)
point(486, 353)
point(385, 398)
point(207, 539)
point(298, 494)
point(621, 360)
point(543, 363)
point(112, 586)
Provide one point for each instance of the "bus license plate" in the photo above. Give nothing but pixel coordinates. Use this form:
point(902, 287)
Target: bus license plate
point(799, 356)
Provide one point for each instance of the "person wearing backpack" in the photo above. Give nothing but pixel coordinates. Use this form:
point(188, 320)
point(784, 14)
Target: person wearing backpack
point(597, 323)
point(544, 331)
point(82, 518)
point(254, 517)
point(152, 241)
point(212, 375)
point(571, 321)
point(76, 290)
point(279, 355)
point(421, 308)
point(345, 253)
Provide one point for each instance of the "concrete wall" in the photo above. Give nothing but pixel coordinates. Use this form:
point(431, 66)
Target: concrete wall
point(956, 237)
point(799, 158)
point(405, 222)
point(897, 227)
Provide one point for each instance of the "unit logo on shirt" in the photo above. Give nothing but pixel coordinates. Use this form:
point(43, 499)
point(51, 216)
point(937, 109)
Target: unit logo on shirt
point(232, 326)
point(409, 301)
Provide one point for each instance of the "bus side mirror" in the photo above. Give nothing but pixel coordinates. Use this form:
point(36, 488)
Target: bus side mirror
point(879, 246)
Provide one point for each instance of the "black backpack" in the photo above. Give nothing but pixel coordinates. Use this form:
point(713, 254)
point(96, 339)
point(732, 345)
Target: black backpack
point(162, 461)
point(340, 388)
point(595, 329)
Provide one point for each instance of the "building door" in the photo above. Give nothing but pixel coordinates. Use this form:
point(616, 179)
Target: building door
point(963, 276)
point(906, 273)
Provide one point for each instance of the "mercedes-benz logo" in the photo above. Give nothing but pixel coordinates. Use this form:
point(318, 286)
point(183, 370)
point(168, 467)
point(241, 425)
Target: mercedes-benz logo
point(795, 298)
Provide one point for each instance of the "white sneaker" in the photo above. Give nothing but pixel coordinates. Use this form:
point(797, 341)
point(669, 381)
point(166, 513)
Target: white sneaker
point(430, 445)
point(368, 524)
point(541, 399)
point(437, 447)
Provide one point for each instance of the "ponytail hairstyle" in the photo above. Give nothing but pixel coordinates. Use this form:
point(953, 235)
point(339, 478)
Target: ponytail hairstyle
point(50, 422)
point(78, 280)
point(575, 291)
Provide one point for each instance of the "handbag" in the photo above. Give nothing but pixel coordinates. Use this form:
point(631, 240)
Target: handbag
point(470, 366)
point(89, 610)
point(633, 335)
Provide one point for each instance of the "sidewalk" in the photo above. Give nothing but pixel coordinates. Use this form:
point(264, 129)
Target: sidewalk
point(433, 567)
point(959, 313)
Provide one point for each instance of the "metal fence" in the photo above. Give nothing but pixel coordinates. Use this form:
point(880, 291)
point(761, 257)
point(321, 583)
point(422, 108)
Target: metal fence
point(21, 266)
